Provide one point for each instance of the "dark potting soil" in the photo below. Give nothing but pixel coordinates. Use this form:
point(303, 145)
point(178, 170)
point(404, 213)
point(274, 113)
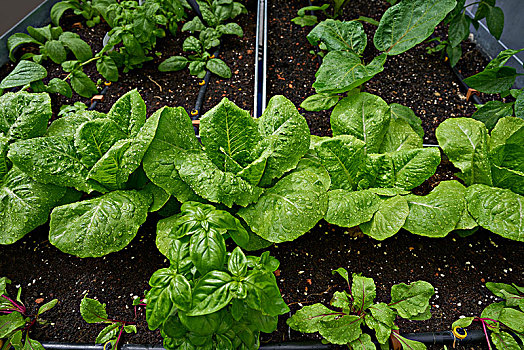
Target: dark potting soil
point(457, 267)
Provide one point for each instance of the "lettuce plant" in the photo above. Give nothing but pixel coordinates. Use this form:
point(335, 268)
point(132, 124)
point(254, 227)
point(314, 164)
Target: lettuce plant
point(402, 26)
point(209, 298)
point(15, 321)
point(373, 160)
point(49, 168)
point(249, 165)
point(503, 319)
point(357, 309)
point(492, 166)
point(93, 311)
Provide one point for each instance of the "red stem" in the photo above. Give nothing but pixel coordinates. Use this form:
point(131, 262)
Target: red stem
point(485, 332)
point(20, 308)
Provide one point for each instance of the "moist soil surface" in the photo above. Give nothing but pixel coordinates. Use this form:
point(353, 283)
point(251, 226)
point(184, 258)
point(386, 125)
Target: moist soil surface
point(457, 267)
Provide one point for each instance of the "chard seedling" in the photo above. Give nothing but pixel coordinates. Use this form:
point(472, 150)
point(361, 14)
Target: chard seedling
point(16, 322)
point(93, 311)
point(356, 309)
point(501, 321)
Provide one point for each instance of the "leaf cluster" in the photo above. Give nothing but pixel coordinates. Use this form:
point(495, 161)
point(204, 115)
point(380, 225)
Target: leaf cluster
point(358, 309)
point(492, 166)
point(209, 298)
point(15, 322)
point(215, 14)
point(504, 319)
point(304, 19)
point(402, 26)
point(89, 9)
point(93, 311)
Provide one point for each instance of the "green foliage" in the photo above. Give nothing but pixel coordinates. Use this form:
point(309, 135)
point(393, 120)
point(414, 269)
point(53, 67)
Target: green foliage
point(502, 319)
point(357, 309)
point(209, 297)
point(15, 321)
point(215, 14)
point(93, 311)
point(492, 166)
point(88, 9)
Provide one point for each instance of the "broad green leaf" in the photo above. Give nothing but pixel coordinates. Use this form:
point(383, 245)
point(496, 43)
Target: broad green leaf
point(408, 344)
point(231, 29)
point(493, 81)
point(411, 300)
point(205, 325)
point(47, 306)
point(263, 293)
point(82, 84)
point(24, 73)
point(58, 10)
point(289, 209)
point(454, 54)
point(208, 181)
point(399, 111)
point(404, 169)
point(285, 135)
point(194, 25)
point(507, 178)
point(10, 323)
point(363, 290)
point(98, 226)
point(400, 136)
point(307, 319)
point(79, 47)
point(56, 51)
point(504, 341)
point(495, 21)
point(94, 138)
point(502, 58)
point(108, 333)
point(493, 311)
point(363, 116)
point(18, 39)
point(340, 329)
point(192, 44)
point(125, 156)
point(129, 112)
point(339, 36)
point(24, 204)
point(349, 209)
point(320, 102)
point(362, 343)
point(505, 144)
point(5, 164)
point(207, 250)
point(497, 288)
point(219, 67)
point(311, 162)
point(237, 263)
point(341, 300)
point(492, 111)
point(388, 219)
point(342, 156)
point(174, 134)
point(465, 142)
point(436, 214)
point(24, 115)
point(463, 322)
point(381, 320)
point(211, 293)
point(498, 210)
point(93, 311)
point(68, 125)
point(305, 21)
point(342, 71)
point(174, 63)
point(519, 106)
point(227, 130)
point(107, 67)
point(60, 87)
point(51, 160)
point(458, 29)
point(408, 23)
point(512, 318)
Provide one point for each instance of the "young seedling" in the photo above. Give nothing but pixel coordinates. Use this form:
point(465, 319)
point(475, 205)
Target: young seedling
point(357, 309)
point(15, 321)
point(500, 318)
point(93, 311)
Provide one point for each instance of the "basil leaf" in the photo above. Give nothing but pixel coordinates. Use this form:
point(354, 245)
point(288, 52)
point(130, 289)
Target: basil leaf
point(79, 47)
point(82, 84)
point(107, 68)
point(56, 51)
point(263, 293)
point(207, 250)
point(59, 86)
point(211, 293)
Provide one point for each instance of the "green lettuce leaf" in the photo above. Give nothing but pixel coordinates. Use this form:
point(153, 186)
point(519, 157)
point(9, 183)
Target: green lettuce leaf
point(349, 209)
point(388, 219)
point(98, 226)
point(129, 112)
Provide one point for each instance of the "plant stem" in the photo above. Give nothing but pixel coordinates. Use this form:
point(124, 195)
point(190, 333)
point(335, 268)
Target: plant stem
point(485, 332)
point(83, 64)
point(19, 308)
